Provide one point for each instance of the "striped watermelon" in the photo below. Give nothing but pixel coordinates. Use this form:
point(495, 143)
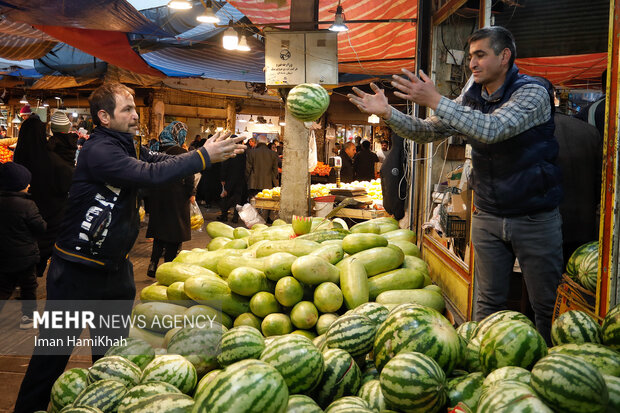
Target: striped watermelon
point(574, 262)
point(513, 373)
point(369, 371)
point(613, 388)
point(307, 102)
point(142, 391)
point(105, 395)
point(206, 379)
point(421, 329)
point(413, 382)
point(511, 397)
point(511, 343)
point(575, 326)
point(504, 315)
point(470, 356)
point(319, 342)
point(354, 333)
point(349, 404)
point(299, 362)
point(465, 389)
point(611, 328)
point(240, 343)
point(299, 403)
point(134, 349)
point(115, 368)
point(324, 321)
point(341, 377)
point(161, 403)
point(198, 345)
point(569, 384)
point(173, 369)
point(587, 272)
point(67, 387)
point(249, 386)
point(83, 409)
point(375, 311)
point(467, 330)
point(371, 392)
point(606, 360)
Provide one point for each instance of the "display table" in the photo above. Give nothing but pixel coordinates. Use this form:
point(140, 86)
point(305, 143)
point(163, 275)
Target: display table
point(353, 213)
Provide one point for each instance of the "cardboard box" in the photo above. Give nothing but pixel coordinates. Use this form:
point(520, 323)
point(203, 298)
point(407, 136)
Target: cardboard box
point(459, 206)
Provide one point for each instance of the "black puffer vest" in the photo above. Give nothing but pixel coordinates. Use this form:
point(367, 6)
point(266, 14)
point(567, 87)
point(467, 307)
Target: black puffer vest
point(518, 176)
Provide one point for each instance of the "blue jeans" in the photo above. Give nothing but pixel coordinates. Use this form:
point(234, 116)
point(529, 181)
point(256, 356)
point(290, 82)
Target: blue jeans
point(536, 240)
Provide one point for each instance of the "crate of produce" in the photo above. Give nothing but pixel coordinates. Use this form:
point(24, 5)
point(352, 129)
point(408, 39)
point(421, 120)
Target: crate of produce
point(572, 296)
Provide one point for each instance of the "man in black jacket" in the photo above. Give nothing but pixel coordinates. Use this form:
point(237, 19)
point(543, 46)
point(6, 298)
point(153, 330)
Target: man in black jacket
point(347, 153)
point(90, 260)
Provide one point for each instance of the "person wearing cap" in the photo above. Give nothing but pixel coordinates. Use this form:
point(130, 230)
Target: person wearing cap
point(20, 224)
point(91, 255)
point(25, 112)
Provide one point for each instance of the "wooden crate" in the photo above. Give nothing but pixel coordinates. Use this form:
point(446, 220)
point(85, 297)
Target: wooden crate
point(572, 296)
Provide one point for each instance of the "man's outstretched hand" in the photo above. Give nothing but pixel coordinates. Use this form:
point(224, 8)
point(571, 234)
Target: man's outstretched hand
point(420, 90)
point(221, 146)
point(375, 103)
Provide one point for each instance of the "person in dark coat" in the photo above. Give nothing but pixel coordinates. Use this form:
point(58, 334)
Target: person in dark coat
point(364, 163)
point(347, 153)
point(20, 223)
point(169, 218)
point(261, 169)
point(51, 179)
point(234, 186)
point(209, 187)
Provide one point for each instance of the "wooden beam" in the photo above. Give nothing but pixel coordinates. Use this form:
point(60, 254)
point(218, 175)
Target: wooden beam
point(195, 112)
point(446, 11)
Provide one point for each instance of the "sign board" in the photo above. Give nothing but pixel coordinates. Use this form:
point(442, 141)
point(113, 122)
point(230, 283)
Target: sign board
point(292, 58)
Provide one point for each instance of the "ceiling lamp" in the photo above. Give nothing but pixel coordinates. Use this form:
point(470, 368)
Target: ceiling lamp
point(246, 129)
point(16, 120)
point(209, 15)
point(241, 120)
point(281, 122)
point(45, 104)
point(180, 4)
point(24, 100)
point(219, 129)
point(230, 39)
point(373, 119)
point(270, 123)
point(338, 25)
point(251, 121)
point(243, 45)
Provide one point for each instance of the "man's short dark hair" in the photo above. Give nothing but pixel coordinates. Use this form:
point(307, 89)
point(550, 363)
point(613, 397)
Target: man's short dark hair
point(499, 37)
point(104, 97)
point(365, 144)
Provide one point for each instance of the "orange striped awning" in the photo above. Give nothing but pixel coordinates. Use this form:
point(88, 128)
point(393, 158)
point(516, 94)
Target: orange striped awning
point(575, 70)
point(21, 41)
point(377, 48)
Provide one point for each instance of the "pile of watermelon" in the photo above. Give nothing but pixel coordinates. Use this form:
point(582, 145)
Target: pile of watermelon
point(371, 359)
point(582, 266)
point(299, 327)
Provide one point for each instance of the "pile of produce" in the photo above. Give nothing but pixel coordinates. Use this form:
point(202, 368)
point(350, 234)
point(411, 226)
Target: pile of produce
point(321, 169)
point(582, 266)
point(373, 189)
point(336, 320)
point(6, 155)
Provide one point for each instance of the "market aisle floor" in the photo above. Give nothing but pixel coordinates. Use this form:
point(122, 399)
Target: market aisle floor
point(13, 367)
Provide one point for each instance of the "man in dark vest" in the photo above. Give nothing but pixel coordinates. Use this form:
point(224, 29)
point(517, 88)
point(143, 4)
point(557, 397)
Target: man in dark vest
point(517, 184)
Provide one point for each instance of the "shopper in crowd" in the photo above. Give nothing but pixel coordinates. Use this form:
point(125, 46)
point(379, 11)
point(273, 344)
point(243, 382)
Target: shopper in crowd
point(51, 179)
point(261, 170)
point(594, 113)
point(581, 160)
point(25, 113)
point(234, 187)
point(20, 224)
point(382, 153)
point(90, 259)
point(168, 204)
point(347, 172)
point(517, 186)
point(209, 187)
point(364, 163)
point(195, 143)
point(252, 143)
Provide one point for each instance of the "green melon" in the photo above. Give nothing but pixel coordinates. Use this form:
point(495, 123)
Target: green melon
point(115, 368)
point(198, 345)
point(353, 333)
point(611, 328)
point(67, 387)
point(134, 349)
point(173, 369)
point(341, 377)
point(240, 343)
point(105, 395)
point(142, 391)
point(575, 326)
point(307, 101)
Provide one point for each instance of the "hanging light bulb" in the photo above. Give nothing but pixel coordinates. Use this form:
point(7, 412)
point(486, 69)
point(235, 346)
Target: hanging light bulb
point(180, 4)
point(270, 123)
point(16, 119)
point(230, 39)
point(45, 104)
point(219, 129)
point(75, 114)
point(281, 122)
point(373, 119)
point(338, 25)
point(246, 129)
point(241, 120)
point(209, 15)
point(243, 45)
point(251, 121)
point(24, 100)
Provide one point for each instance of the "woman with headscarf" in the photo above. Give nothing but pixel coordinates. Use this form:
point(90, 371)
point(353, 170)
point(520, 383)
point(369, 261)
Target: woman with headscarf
point(51, 179)
point(169, 217)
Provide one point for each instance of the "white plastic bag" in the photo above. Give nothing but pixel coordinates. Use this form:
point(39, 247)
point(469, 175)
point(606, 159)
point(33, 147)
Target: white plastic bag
point(249, 215)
